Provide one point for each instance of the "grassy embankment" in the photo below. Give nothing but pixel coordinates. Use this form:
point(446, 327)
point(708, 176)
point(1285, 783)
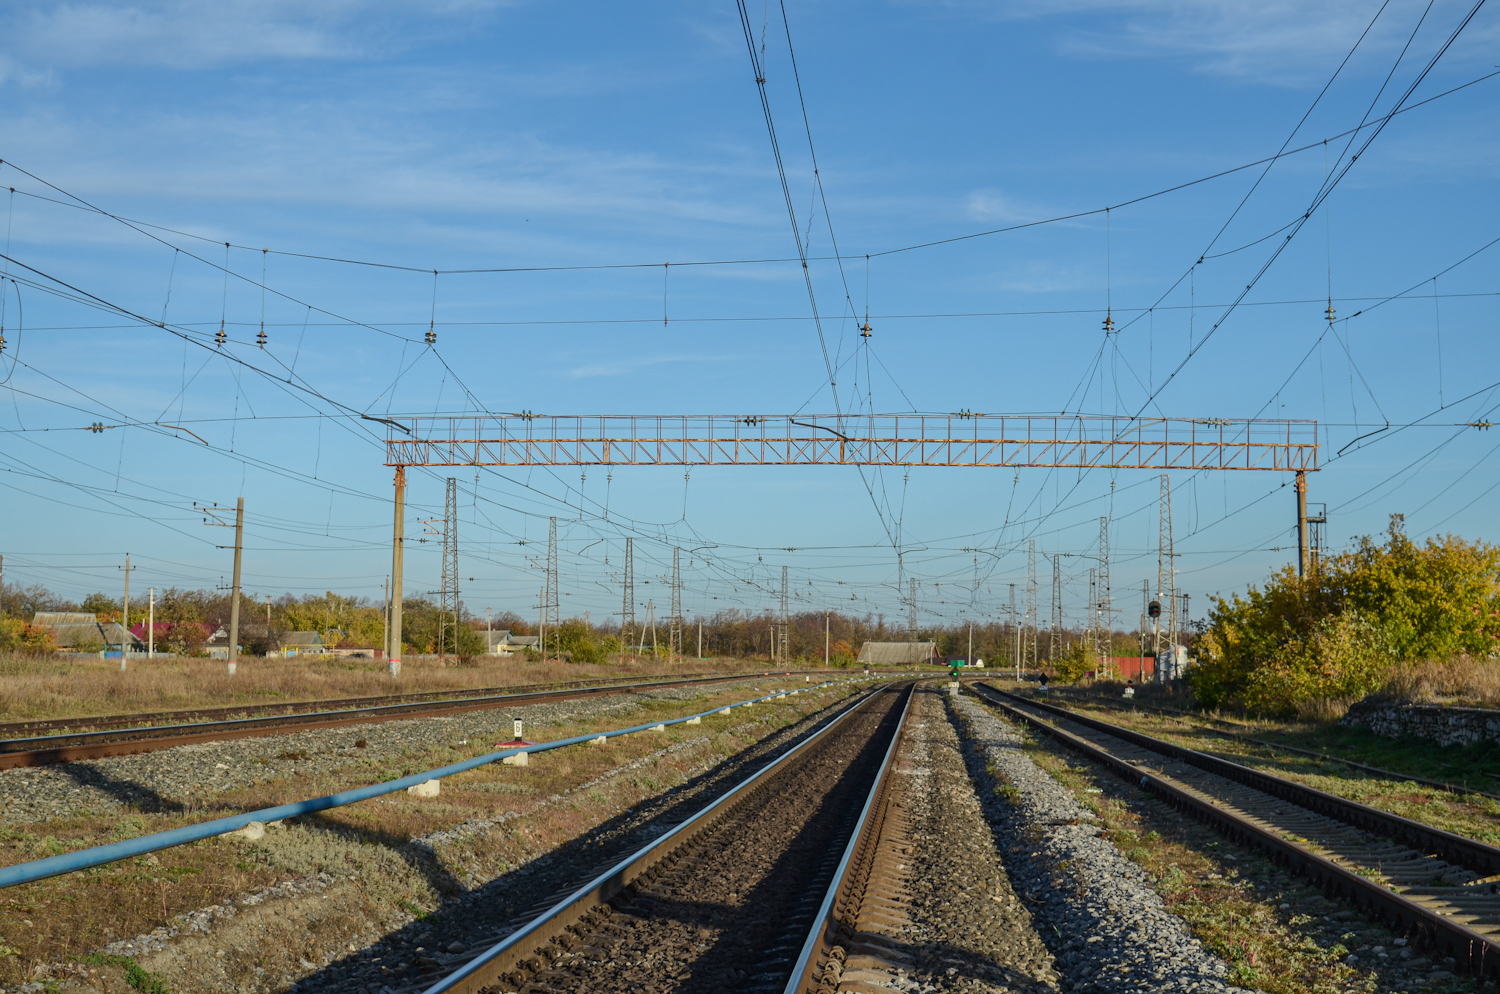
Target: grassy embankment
point(62, 686)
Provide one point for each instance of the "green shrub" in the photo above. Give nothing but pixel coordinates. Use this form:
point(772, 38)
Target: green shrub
point(1340, 633)
point(1075, 661)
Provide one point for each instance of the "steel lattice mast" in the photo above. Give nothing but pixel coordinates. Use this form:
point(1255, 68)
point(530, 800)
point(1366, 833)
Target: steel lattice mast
point(1029, 625)
point(1105, 612)
point(1057, 610)
point(674, 640)
point(448, 594)
point(786, 618)
point(550, 613)
point(627, 608)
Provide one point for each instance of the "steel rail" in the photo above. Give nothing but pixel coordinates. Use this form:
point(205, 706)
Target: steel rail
point(82, 859)
point(1229, 733)
point(74, 746)
point(1469, 853)
point(1480, 952)
point(158, 719)
point(487, 968)
point(825, 928)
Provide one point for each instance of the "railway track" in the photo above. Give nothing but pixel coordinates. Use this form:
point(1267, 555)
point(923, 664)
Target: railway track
point(738, 896)
point(1442, 888)
point(71, 746)
point(1231, 731)
point(144, 719)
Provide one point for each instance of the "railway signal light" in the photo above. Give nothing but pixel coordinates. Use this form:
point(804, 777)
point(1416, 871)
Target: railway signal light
point(1154, 609)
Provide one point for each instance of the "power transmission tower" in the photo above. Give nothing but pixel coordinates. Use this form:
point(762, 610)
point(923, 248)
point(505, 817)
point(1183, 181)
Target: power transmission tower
point(550, 598)
point(1057, 609)
point(674, 649)
point(627, 609)
point(786, 618)
point(1091, 637)
point(1028, 628)
point(448, 597)
point(1015, 640)
point(1105, 612)
point(1166, 579)
point(911, 623)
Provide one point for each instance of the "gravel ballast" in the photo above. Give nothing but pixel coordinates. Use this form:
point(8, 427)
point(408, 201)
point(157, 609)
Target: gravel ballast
point(352, 910)
point(967, 930)
point(184, 777)
point(1107, 927)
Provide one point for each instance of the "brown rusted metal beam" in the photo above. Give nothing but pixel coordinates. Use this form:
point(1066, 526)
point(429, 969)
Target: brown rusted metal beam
point(965, 439)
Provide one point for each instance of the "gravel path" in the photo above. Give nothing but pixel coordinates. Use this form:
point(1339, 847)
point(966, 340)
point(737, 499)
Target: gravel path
point(1108, 928)
point(188, 776)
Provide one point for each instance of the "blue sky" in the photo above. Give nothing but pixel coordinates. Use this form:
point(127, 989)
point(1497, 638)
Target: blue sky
point(475, 135)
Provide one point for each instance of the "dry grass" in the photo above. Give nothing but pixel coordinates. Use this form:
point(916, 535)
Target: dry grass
point(61, 686)
point(1462, 680)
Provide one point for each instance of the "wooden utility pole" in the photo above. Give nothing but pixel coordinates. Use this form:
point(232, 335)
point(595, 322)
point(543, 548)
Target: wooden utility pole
point(397, 547)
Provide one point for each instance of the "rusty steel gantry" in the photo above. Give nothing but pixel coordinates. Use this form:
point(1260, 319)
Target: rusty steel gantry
point(964, 438)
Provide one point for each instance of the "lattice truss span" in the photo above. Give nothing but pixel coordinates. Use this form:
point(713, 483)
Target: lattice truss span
point(1085, 442)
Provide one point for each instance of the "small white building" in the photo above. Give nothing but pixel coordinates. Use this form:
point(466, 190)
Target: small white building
point(897, 653)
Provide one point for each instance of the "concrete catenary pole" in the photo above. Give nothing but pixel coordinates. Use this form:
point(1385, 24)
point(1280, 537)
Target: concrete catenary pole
point(398, 545)
point(151, 627)
point(1301, 523)
point(125, 638)
point(234, 584)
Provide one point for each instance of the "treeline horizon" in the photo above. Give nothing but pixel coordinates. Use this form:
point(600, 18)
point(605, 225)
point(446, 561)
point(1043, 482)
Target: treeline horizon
point(191, 616)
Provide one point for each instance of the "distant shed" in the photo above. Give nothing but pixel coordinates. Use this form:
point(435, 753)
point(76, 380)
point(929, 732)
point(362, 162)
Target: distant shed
point(897, 653)
point(48, 618)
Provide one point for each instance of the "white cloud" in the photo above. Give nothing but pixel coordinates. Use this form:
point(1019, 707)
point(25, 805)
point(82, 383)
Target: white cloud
point(1278, 41)
point(1048, 277)
point(992, 205)
point(178, 34)
point(199, 34)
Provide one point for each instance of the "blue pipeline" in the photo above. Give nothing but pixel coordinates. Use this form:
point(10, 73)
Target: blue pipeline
point(40, 869)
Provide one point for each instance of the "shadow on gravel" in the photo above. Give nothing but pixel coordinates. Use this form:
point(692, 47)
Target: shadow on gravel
point(418, 857)
point(127, 792)
point(483, 916)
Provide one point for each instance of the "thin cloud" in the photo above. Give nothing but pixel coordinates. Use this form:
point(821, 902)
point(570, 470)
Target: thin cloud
point(624, 367)
point(1274, 41)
